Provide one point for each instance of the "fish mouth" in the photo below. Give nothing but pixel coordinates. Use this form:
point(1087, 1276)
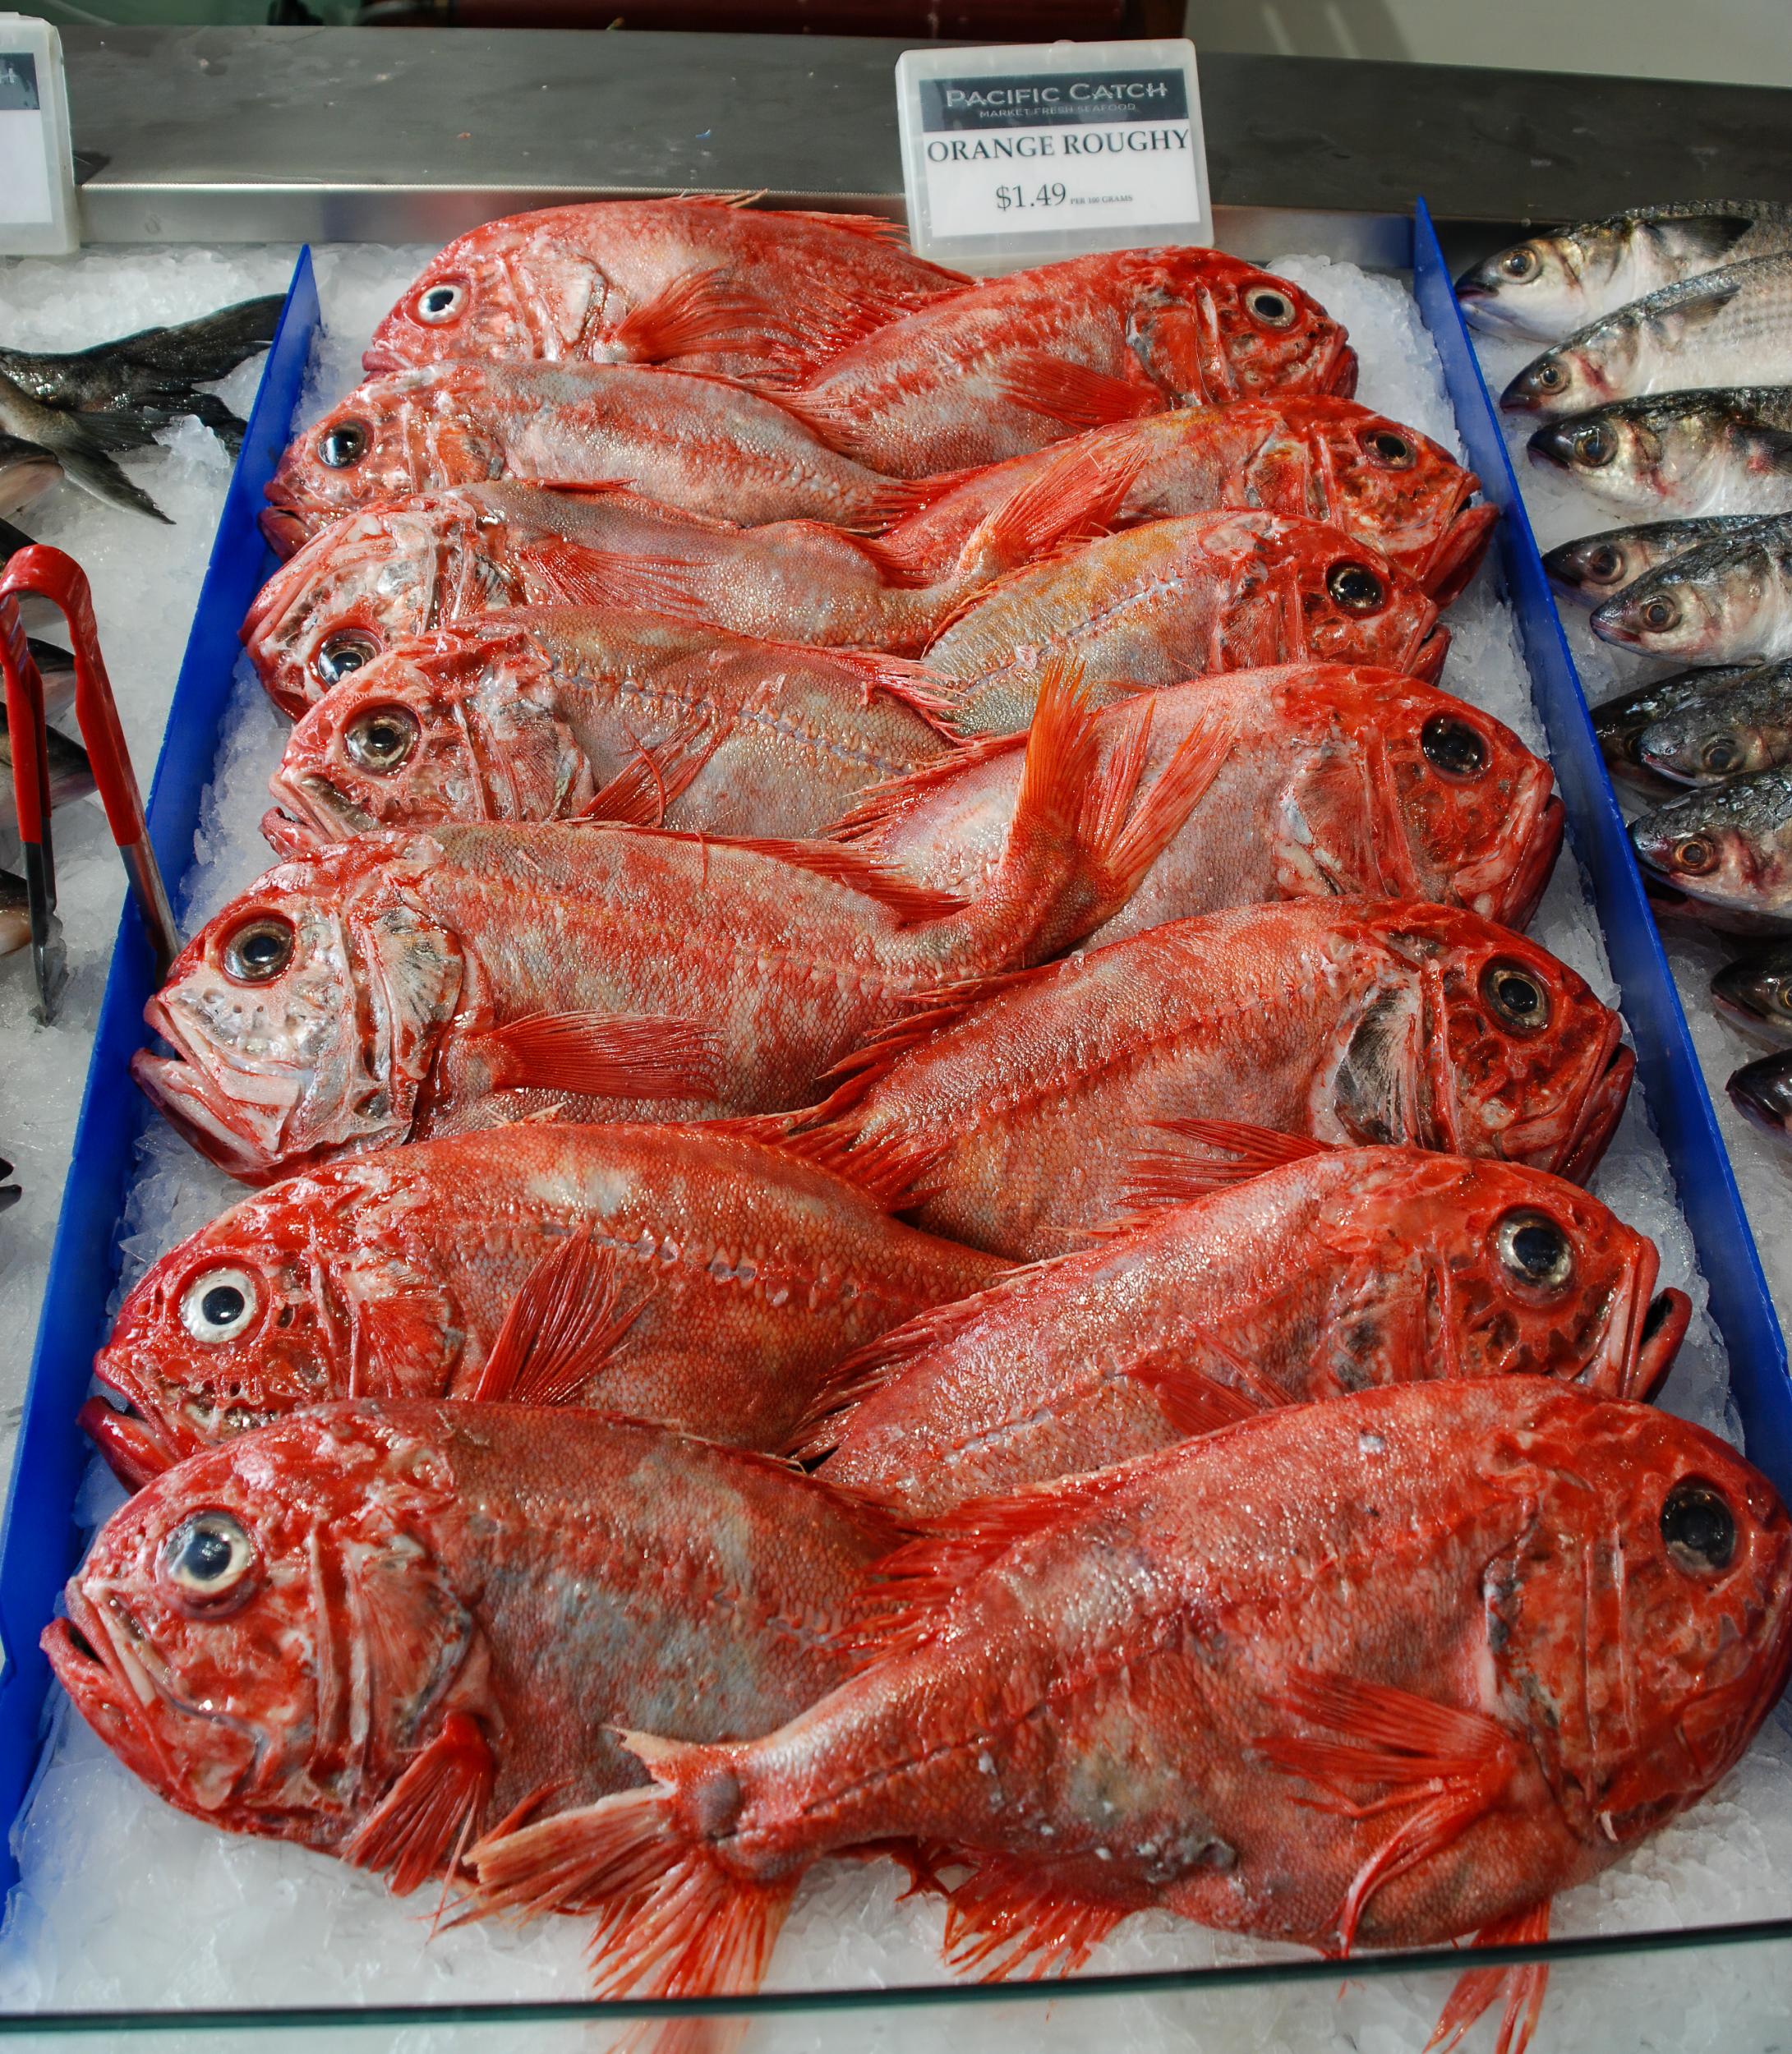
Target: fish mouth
point(376, 360)
point(1542, 845)
point(111, 1687)
point(1591, 1135)
point(1728, 1000)
point(1658, 1341)
point(243, 1137)
point(1459, 550)
point(286, 527)
point(297, 837)
point(1762, 1091)
point(134, 1450)
point(313, 801)
point(1427, 662)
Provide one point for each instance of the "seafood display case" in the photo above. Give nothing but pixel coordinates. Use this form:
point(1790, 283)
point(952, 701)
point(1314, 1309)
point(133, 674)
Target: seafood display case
point(1225, 1993)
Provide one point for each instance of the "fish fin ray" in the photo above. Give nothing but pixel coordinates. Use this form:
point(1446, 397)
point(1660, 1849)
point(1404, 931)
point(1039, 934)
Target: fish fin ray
point(563, 574)
point(1191, 1400)
point(1122, 849)
point(414, 1829)
point(698, 310)
point(1163, 1176)
point(858, 871)
point(892, 1169)
point(1076, 394)
point(1000, 1917)
point(561, 1329)
point(1075, 498)
point(641, 791)
point(1522, 1984)
point(605, 1056)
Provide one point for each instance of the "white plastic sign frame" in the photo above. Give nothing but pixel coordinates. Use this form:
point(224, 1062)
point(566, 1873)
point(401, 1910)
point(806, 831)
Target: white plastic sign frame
point(37, 211)
point(1031, 152)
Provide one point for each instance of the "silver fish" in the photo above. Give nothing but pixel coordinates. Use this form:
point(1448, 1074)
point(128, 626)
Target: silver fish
point(1745, 728)
point(1727, 601)
point(26, 469)
point(1756, 993)
point(1550, 285)
point(1724, 450)
point(1762, 1092)
point(1727, 849)
point(15, 914)
point(1620, 723)
point(81, 443)
point(1594, 567)
point(1732, 324)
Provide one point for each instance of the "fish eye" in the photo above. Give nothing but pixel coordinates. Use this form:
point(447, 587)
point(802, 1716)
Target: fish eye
point(207, 1556)
point(1548, 377)
point(1604, 564)
point(259, 950)
point(1519, 264)
point(1452, 747)
point(343, 445)
point(1535, 1250)
point(1595, 446)
point(381, 739)
point(1697, 853)
point(218, 1304)
point(347, 650)
point(437, 305)
point(1387, 447)
point(1698, 1528)
point(1272, 308)
point(1660, 613)
point(1356, 588)
point(1515, 996)
point(1721, 754)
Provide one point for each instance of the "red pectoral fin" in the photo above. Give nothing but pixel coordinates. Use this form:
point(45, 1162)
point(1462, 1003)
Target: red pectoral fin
point(557, 573)
point(1077, 496)
point(702, 310)
point(415, 1829)
point(1077, 396)
point(647, 784)
point(1165, 1176)
point(603, 1056)
point(1001, 1916)
point(1523, 1985)
point(561, 1328)
point(1191, 1401)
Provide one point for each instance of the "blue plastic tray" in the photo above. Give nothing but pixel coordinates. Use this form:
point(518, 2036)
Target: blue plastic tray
point(41, 1542)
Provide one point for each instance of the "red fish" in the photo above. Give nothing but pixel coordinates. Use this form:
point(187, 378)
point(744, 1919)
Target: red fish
point(548, 713)
point(402, 986)
point(701, 282)
point(1321, 459)
point(1330, 1270)
point(1327, 780)
point(1019, 361)
point(1182, 599)
point(700, 445)
point(719, 1277)
point(376, 1627)
point(1056, 1101)
point(1384, 1671)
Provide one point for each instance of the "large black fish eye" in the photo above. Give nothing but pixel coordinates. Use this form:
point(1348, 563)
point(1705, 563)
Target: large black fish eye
point(343, 445)
point(1274, 309)
point(1387, 447)
point(1520, 264)
point(258, 950)
point(207, 1556)
point(1452, 747)
point(1515, 997)
point(1356, 588)
point(348, 649)
point(1535, 1250)
point(1660, 613)
point(381, 739)
point(1698, 1528)
point(218, 1304)
point(439, 304)
point(1595, 446)
point(1721, 754)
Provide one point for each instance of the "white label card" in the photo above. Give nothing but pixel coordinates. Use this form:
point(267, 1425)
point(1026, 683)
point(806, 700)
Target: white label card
point(1036, 151)
point(25, 143)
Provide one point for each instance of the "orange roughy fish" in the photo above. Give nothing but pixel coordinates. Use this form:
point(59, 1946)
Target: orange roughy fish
point(400, 986)
point(701, 445)
point(1320, 458)
point(549, 713)
point(1182, 599)
point(408, 567)
point(1326, 780)
point(1329, 1271)
point(375, 1626)
point(1018, 362)
point(1382, 1672)
point(684, 1274)
point(704, 283)
point(1055, 1100)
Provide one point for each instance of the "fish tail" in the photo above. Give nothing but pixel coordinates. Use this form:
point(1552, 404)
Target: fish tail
point(199, 351)
point(674, 1917)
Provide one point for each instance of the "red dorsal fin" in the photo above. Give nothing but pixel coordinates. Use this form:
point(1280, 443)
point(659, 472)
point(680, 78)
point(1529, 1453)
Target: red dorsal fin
point(1191, 1401)
point(561, 1328)
point(1120, 849)
point(1003, 1917)
point(700, 310)
point(1522, 1985)
point(640, 792)
point(1078, 396)
point(911, 903)
point(559, 572)
point(604, 1055)
point(676, 1922)
point(1076, 497)
point(1162, 1177)
point(414, 1830)
point(1443, 1765)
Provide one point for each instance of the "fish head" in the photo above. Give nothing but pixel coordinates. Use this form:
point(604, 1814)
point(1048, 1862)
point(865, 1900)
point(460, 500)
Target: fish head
point(1355, 607)
point(1673, 453)
point(513, 291)
point(1728, 735)
point(1522, 1060)
point(266, 1632)
point(1728, 845)
point(1586, 369)
point(1538, 287)
point(1595, 566)
point(1641, 1630)
point(1208, 331)
point(305, 1017)
point(1762, 1092)
point(389, 437)
point(458, 724)
point(369, 580)
point(1726, 599)
point(1756, 993)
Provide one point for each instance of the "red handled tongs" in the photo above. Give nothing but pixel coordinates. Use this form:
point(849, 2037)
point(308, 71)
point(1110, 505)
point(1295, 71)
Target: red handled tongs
point(42, 573)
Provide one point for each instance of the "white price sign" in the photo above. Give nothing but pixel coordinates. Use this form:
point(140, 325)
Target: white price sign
point(1022, 155)
point(37, 185)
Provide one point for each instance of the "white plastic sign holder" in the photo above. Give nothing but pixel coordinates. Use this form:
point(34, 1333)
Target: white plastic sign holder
point(37, 212)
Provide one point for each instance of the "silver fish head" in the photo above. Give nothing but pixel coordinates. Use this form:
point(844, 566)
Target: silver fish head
point(1585, 371)
point(1728, 601)
point(1728, 847)
point(304, 1018)
point(1755, 994)
point(1725, 733)
point(1762, 1091)
point(1620, 723)
point(1538, 288)
point(1595, 566)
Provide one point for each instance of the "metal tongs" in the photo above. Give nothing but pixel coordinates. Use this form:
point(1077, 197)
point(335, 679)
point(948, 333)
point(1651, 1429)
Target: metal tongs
point(43, 573)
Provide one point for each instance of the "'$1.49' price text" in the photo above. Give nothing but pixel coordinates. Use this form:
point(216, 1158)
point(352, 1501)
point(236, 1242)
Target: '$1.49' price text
point(1007, 197)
